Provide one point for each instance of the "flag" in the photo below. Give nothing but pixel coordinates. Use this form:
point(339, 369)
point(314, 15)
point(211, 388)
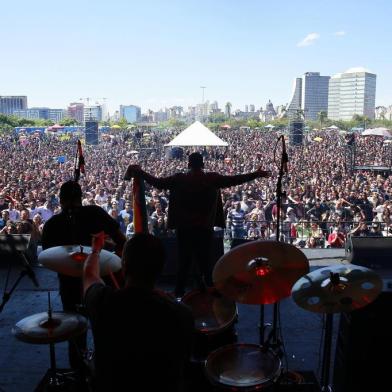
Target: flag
point(79, 163)
point(81, 157)
point(139, 206)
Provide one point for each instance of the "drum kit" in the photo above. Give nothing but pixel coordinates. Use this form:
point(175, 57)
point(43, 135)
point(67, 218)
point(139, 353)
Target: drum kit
point(255, 273)
point(54, 327)
point(261, 273)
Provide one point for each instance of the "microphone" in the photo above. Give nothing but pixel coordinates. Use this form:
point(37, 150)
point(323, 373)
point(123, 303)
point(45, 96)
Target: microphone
point(285, 157)
point(29, 271)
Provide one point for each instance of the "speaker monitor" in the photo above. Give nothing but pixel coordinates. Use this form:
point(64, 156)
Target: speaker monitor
point(296, 133)
point(363, 348)
point(91, 132)
point(371, 252)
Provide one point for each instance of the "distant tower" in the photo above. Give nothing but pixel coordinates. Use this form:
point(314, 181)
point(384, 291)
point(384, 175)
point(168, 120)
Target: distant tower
point(228, 110)
point(246, 109)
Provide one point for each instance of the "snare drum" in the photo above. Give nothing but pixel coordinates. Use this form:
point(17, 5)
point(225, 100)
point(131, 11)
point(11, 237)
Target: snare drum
point(215, 317)
point(243, 367)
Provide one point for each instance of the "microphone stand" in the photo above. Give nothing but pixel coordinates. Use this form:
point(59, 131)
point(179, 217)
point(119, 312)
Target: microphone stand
point(272, 340)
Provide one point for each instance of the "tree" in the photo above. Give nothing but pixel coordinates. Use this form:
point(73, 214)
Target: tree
point(321, 116)
point(68, 121)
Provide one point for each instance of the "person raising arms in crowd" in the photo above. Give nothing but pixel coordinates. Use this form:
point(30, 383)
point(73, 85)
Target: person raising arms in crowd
point(195, 207)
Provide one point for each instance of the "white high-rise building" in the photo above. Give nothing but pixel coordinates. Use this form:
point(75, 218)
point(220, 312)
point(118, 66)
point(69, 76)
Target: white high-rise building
point(352, 92)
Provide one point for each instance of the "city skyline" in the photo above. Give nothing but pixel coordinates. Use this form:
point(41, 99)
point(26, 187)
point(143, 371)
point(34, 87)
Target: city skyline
point(157, 56)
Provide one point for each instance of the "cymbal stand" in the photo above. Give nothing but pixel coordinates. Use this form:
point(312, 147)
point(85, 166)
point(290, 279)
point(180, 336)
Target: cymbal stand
point(326, 363)
point(54, 380)
point(273, 341)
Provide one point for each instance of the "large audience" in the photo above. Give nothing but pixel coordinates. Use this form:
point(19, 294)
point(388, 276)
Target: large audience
point(325, 199)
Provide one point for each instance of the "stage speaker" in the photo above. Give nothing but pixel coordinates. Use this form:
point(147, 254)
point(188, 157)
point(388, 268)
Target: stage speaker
point(91, 132)
point(296, 130)
point(371, 252)
point(174, 153)
point(363, 348)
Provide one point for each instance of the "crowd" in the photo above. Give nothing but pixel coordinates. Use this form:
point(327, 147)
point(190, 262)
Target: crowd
point(324, 200)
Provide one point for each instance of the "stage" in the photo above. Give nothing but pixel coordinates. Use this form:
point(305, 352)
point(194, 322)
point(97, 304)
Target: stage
point(23, 365)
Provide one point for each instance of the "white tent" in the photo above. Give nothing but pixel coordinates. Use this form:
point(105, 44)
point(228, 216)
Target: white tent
point(197, 135)
point(270, 126)
point(334, 127)
point(377, 132)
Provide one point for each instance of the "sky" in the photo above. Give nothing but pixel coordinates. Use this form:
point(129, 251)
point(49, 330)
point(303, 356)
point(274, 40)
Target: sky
point(160, 53)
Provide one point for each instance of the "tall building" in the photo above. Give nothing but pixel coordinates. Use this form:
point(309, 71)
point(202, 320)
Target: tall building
point(314, 94)
point(131, 113)
point(310, 94)
point(93, 113)
point(55, 115)
point(76, 111)
point(296, 98)
point(8, 104)
point(352, 92)
point(252, 108)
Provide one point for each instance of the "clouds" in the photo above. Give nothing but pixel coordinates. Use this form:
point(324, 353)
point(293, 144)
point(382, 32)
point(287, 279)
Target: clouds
point(310, 39)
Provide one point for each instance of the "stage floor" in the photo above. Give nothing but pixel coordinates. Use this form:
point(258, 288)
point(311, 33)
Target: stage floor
point(23, 365)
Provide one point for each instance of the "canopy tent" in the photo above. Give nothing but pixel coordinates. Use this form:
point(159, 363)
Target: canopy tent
point(226, 126)
point(197, 135)
point(270, 126)
point(318, 139)
point(384, 132)
point(334, 127)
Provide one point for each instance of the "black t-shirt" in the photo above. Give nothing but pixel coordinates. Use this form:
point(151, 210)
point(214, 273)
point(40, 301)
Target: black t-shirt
point(142, 339)
point(76, 227)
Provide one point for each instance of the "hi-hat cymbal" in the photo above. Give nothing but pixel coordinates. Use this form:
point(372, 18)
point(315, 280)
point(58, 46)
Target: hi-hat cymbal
point(38, 329)
point(69, 260)
point(335, 289)
point(259, 272)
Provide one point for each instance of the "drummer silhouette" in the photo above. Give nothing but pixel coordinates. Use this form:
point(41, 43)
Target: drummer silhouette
point(75, 225)
point(142, 337)
point(195, 207)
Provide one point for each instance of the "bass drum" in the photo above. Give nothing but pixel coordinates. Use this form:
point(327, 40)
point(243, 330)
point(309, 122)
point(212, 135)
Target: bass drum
point(243, 367)
point(215, 317)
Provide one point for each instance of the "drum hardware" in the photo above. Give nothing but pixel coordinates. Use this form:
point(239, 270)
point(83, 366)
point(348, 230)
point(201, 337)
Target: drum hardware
point(335, 289)
point(259, 273)
point(69, 260)
point(50, 328)
point(16, 245)
point(215, 316)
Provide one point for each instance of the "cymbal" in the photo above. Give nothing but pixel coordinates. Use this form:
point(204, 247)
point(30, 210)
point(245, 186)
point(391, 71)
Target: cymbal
point(259, 272)
point(69, 260)
point(38, 329)
point(335, 289)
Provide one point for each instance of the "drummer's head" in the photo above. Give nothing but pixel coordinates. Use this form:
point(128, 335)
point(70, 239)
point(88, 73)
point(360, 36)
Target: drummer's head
point(143, 260)
point(70, 194)
point(195, 161)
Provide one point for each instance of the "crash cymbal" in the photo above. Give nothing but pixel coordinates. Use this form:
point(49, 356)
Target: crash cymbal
point(335, 289)
point(38, 329)
point(69, 260)
point(259, 272)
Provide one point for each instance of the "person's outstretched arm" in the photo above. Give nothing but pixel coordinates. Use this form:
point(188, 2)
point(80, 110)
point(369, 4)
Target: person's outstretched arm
point(160, 183)
point(228, 181)
point(91, 270)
